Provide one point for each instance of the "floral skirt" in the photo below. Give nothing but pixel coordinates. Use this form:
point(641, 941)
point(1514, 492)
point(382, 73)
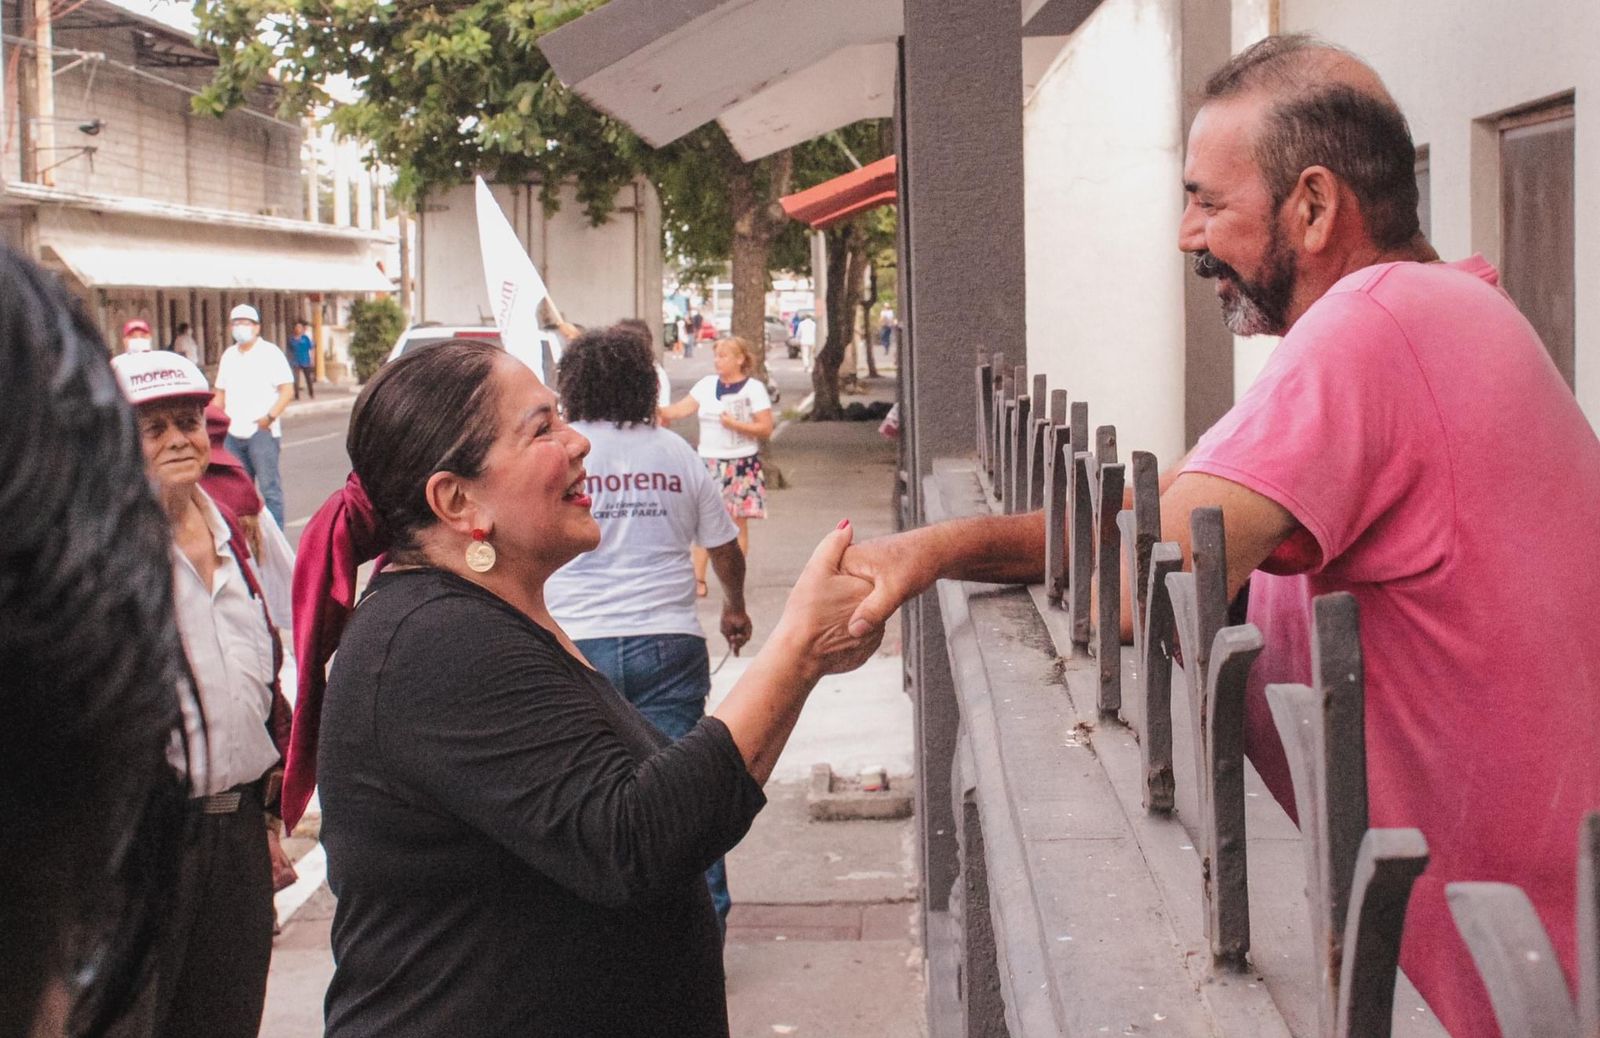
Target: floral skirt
point(744, 489)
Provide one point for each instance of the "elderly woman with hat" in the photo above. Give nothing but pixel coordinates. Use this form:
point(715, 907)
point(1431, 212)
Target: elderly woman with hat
point(211, 973)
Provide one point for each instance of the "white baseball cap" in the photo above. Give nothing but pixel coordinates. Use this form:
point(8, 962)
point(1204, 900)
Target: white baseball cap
point(159, 375)
point(244, 312)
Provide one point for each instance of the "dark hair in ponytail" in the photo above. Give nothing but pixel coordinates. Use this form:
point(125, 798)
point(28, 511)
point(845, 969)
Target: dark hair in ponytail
point(429, 411)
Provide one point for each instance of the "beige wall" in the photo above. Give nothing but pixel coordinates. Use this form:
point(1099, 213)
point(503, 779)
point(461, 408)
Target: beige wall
point(1452, 64)
point(596, 275)
point(1105, 280)
point(151, 145)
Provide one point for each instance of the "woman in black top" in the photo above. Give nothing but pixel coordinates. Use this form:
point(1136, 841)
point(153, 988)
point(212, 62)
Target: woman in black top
point(514, 850)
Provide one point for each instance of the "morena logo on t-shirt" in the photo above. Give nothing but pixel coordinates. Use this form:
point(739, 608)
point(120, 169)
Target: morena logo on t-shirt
point(616, 484)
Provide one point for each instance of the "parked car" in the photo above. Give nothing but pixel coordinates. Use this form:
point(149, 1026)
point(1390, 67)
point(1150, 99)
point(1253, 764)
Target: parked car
point(777, 335)
point(421, 335)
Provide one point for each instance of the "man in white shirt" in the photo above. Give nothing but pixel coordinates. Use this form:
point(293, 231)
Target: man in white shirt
point(184, 344)
point(806, 332)
point(254, 386)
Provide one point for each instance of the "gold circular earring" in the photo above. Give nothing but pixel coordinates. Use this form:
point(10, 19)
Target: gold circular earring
point(480, 553)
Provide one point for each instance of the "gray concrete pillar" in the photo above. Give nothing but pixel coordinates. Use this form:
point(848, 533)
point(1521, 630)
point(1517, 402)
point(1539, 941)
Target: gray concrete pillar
point(962, 195)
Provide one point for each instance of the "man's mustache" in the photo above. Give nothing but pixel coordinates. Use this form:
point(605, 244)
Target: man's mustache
point(1208, 266)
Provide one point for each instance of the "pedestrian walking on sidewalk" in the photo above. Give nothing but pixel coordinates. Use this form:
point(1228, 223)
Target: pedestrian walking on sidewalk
point(303, 351)
point(184, 344)
point(654, 501)
point(515, 851)
point(92, 808)
point(254, 386)
point(136, 336)
point(735, 419)
point(211, 973)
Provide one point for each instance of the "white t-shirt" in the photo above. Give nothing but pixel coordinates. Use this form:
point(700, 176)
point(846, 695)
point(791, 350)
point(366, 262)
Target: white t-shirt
point(716, 441)
point(653, 499)
point(663, 387)
point(251, 380)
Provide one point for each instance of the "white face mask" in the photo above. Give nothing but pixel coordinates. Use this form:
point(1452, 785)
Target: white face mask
point(243, 333)
point(138, 345)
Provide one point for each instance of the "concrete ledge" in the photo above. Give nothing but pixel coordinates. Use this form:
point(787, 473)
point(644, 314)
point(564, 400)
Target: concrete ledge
point(831, 798)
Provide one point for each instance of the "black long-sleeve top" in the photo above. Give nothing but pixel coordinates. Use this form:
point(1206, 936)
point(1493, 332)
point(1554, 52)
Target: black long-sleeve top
point(515, 851)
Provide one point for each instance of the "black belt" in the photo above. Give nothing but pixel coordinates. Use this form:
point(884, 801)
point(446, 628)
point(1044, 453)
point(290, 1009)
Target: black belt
point(227, 802)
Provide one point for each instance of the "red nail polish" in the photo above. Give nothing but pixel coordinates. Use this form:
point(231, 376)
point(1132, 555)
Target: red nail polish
point(842, 524)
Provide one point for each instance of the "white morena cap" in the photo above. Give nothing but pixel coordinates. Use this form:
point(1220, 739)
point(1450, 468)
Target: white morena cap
point(245, 312)
point(159, 375)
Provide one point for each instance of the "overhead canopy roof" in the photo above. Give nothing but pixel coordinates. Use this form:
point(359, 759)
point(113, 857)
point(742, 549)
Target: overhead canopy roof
point(774, 72)
point(844, 196)
point(108, 251)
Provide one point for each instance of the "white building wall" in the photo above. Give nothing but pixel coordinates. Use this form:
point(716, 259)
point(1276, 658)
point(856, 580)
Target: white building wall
point(1103, 163)
point(596, 275)
point(1452, 66)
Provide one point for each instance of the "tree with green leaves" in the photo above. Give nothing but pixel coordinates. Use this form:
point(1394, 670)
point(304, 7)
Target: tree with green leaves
point(855, 247)
point(446, 90)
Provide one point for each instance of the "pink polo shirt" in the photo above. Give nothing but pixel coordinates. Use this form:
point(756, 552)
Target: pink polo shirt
point(1415, 426)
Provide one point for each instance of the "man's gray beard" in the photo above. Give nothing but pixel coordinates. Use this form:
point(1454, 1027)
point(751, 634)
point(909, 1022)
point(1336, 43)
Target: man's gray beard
point(1244, 317)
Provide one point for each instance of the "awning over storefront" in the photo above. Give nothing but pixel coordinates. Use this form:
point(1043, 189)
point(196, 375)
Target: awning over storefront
point(844, 196)
point(772, 72)
point(104, 250)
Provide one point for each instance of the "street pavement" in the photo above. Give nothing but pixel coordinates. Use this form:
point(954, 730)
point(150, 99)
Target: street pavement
point(821, 939)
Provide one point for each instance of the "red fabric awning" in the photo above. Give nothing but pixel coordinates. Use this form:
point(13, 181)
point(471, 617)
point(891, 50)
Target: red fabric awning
point(844, 196)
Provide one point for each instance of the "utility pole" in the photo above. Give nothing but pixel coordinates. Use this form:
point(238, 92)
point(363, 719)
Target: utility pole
point(405, 261)
point(43, 126)
point(313, 179)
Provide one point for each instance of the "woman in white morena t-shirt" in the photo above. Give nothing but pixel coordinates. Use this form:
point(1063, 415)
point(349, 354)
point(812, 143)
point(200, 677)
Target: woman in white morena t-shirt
point(735, 418)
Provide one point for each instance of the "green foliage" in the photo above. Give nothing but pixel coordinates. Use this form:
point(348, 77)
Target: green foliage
point(375, 325)
point(445, 89)
point(822, 159)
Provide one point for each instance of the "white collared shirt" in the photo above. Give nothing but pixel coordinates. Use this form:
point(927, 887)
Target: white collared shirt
point(230, 652)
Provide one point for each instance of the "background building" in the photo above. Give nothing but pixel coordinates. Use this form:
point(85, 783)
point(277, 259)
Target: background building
point(148, 210)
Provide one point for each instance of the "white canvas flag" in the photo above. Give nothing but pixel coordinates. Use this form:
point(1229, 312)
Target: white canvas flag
point(515, 287)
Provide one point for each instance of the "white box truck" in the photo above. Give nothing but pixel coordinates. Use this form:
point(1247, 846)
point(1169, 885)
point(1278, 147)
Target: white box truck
point(596, 275)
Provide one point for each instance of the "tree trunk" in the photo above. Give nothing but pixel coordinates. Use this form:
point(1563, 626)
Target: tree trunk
point(846, 256)
point(753, 192)
point(868, 301)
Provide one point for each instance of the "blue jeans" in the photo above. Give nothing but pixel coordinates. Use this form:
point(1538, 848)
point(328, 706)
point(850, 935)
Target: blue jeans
point(667, 677)
point(260, 456)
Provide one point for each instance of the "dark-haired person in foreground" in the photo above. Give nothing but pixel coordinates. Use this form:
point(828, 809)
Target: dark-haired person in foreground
point(1371, 456)
point(629, 605)
point(514, 849)
point(91, 810)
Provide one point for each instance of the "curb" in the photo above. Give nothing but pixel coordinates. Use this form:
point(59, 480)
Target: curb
point(801, 411)
point(311, 407)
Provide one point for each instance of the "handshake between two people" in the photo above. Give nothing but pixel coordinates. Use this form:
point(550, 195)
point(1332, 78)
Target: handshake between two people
point(846, 594)
point(832, 623)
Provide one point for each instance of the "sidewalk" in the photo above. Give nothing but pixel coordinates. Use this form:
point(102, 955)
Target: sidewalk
point(820, 940)
point(331, 397)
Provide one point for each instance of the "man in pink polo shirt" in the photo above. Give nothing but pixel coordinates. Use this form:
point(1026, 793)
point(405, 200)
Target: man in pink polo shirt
point(1410, 442)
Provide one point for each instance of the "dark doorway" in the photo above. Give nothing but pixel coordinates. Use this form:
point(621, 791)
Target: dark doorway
point(1536, 221)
